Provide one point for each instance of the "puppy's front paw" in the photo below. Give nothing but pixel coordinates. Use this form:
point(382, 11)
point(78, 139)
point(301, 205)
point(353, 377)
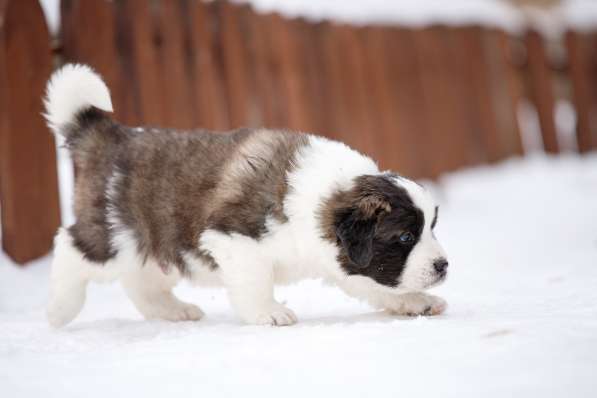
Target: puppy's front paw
point(276, 315)
point(414, 304)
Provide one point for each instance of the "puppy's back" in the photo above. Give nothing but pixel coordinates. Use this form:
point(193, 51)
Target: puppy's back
point(160, 187)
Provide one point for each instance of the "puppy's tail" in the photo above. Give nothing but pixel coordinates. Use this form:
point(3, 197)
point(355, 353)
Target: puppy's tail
point(71, 91)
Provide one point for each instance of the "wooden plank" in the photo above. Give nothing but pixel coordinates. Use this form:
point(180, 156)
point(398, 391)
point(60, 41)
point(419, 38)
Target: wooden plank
point(582, 61)
point(473, 81)
point(236, 59)
point(173, 63)
point(139, 37)
point(253, 113)
point(355, 90)
point(368, 98)
point(208, 82)
point(405, 81)
point(267, 72)
point(541, 89)
point(344, 73)
point(28, 178)
point(395, 147)
point(507, 91)
point(310, 50)
point(460, 45)
point(90, 35)
point(337, 112)
point(377, 96)
point(286, 45)
point(443, 101)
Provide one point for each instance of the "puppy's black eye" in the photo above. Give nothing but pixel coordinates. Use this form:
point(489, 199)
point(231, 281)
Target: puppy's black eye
point(406, 237)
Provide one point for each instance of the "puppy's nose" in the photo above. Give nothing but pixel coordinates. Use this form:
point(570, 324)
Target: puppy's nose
point(440, 265)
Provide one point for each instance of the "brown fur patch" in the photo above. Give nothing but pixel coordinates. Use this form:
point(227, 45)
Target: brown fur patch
point(94, 157)
point(172, 185)
point(252, 185)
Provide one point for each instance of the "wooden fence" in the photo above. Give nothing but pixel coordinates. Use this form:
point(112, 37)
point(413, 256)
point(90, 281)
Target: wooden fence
point(421, 101)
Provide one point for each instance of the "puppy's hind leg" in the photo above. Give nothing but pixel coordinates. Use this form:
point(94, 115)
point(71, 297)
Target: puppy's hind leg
point(68, 280)
point(150, 289)
point(416, 303)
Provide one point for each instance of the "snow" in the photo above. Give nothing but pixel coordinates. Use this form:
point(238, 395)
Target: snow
point(521, 322)
point(404, 12)
point(51, 9)
point(581, 14)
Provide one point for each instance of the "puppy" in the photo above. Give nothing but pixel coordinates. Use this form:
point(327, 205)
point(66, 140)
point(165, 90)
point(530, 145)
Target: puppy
point(245, 209)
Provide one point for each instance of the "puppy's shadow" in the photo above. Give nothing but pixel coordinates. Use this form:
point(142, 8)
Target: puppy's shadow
point(366, 317)
point(125, 331)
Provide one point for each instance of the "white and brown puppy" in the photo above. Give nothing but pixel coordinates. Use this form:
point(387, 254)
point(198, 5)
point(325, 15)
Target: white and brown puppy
point(246, 209)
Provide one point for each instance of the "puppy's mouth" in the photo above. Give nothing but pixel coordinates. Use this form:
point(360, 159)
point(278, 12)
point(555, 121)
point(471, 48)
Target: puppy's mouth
point(439, 279)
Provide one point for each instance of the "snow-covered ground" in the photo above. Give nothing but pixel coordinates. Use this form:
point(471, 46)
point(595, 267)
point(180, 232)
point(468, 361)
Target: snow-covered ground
point(522, 317)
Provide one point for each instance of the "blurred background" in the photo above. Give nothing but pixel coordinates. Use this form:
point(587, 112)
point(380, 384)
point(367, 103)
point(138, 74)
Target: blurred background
point(424, 87)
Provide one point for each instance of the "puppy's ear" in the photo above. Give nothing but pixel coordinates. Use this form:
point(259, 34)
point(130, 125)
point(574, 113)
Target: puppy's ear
point(373, 205)
point(355, 228)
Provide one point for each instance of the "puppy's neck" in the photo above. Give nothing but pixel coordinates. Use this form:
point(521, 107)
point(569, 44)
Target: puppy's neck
point(323, 168)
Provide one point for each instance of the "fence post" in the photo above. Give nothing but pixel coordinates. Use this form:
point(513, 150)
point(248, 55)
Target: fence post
point(443, 104)
point(28, 177)
point(209, 82)
point(236, 63)
point(90, 34)
point(582, 62)
point(542, 89)
point(507, 88)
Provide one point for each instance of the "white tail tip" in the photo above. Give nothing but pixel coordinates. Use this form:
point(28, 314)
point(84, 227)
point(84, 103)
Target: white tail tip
point(72, 89)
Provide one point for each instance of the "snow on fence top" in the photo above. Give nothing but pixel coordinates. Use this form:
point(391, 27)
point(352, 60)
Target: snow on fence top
point(51, 10)
point(397, 12)
point(579, 14)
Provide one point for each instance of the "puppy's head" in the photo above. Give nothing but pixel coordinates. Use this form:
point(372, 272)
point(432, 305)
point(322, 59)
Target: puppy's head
point(384, 229)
